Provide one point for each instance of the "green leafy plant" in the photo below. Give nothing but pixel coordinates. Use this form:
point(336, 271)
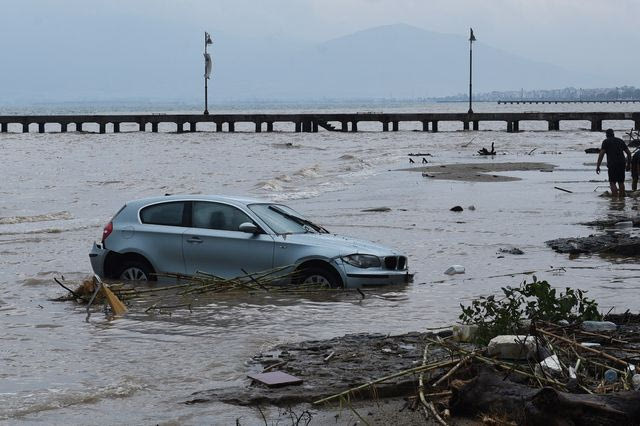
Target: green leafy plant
point(533, 301)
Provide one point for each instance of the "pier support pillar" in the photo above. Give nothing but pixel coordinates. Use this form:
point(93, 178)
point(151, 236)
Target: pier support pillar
point(180, 128)
point(218, 127)
point(298, 126)
point(344, 127)
point(78, 127)
point(63, 127)
point(434, 126)
point(25, 127)
point(142, 126)
point(425, 126)
point(509, 126)
point(116, 127)
point(354, 126)
point(596, 125)
point(385, 126)
point(395, 126)
point(232, 127)
point(636, 125)
point(270, 126)
point(4, 128)
point(306, 126)
point(516, 126)
point(476, 125)
point(258, 127)
point(465, 125)
point(40, 127)
point(314, 126)
point(102, 128)
point(554, 125)
point(192, 126)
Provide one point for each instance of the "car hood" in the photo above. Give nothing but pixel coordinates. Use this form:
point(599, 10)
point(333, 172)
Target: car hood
point(342, 245)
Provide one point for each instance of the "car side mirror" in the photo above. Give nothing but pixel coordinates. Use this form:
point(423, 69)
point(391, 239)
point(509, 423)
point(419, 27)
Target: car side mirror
point(249, 227)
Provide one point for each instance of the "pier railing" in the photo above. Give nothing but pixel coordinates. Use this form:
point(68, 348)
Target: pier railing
point(306, 122)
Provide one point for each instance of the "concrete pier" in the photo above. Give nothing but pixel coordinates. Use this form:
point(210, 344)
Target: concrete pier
point(576, 101)
point(310, 122)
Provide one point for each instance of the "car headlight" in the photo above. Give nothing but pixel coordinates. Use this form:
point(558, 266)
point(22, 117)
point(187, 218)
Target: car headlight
point(362, 260)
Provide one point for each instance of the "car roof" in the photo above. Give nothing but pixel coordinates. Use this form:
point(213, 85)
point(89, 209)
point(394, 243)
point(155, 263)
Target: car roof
point(196, 197)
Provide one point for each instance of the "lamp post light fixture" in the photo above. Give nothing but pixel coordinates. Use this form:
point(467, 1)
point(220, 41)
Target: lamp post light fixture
point(472, 38)
point(207, 71)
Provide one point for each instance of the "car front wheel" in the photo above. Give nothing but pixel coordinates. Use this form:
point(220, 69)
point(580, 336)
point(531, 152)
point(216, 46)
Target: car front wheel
point(319, 276)
point(133, 270)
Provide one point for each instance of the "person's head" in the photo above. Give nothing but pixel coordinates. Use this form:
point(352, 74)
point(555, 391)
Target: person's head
point(609, 133)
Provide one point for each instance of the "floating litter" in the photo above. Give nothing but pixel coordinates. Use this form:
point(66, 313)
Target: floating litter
point(454, 269)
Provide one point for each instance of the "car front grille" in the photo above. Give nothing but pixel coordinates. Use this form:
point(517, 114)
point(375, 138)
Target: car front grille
point(395, 262)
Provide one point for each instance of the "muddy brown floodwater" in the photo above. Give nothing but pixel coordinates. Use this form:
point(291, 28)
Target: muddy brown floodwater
point(58, 190)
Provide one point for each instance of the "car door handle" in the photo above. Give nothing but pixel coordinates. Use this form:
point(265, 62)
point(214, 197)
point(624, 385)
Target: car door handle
point(194, 240)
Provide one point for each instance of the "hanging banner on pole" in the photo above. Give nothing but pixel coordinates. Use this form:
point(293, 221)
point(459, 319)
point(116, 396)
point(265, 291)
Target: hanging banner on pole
point(208, 64)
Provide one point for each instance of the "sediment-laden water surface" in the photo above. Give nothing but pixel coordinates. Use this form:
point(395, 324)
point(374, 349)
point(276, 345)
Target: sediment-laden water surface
point(58, 190)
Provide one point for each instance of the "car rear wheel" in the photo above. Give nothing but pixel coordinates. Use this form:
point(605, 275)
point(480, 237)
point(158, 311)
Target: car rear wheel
point(133, 270)
point(322, 277)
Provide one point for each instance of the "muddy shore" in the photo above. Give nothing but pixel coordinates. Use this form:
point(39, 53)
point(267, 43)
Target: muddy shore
point(334, 365)
point(474, 172)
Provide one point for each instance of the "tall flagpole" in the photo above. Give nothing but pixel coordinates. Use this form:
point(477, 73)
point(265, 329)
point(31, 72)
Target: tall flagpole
point(471, 40)
point(206, 87)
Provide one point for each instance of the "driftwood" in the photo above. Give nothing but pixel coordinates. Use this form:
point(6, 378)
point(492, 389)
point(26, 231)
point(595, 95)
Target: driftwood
point(489, 394)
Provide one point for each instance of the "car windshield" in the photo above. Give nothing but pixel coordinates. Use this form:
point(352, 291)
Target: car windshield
point(284, 220)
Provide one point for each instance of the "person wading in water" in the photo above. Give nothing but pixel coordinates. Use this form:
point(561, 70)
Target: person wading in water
point(615, 148)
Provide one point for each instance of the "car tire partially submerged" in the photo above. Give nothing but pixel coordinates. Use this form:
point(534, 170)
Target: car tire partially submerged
point(134, 270)
point(319, 276)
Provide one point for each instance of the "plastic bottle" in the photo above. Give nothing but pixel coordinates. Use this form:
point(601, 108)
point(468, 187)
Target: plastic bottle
point(610, 376)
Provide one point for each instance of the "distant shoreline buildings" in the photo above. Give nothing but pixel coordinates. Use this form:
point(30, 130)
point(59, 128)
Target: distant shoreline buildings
point(566, 94)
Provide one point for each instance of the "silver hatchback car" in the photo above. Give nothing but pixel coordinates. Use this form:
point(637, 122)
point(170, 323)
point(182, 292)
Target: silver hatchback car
point(231, 237)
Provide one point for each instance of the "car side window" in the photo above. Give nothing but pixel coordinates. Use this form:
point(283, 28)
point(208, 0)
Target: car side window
point(217, 216)
point(168, 214)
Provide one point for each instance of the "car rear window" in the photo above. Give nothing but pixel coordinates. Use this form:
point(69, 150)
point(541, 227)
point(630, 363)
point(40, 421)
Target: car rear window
point(168, 214)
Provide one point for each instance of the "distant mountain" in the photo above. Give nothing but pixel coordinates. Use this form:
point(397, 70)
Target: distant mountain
point(407, 62)
point(152, 61)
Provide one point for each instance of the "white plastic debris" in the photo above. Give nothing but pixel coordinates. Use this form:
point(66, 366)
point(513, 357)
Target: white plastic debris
point(551, 365)
point(572, 373)
point(454, 269)
point(464, 332)
point(590, 344)
point(511, 346)
point(636, 381)
point(624, 224)
point(599, 326)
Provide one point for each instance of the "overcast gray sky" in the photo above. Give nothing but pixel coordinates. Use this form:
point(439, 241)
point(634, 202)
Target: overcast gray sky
point(597, 36)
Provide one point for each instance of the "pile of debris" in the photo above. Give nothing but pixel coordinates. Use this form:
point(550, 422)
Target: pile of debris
point(580, 373)
point(187, 288)
point(534, 356)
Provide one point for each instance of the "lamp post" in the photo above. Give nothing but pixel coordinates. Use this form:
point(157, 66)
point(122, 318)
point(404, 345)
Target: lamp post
point(207, 71)
point(471, 40)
